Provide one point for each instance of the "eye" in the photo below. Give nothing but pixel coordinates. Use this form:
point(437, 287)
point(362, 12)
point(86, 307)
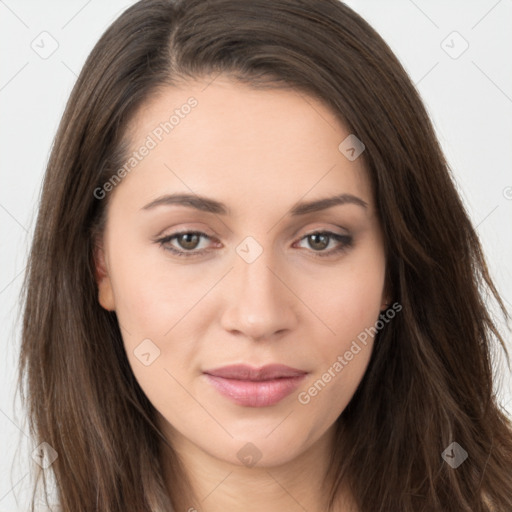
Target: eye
point(188, 242)
point(320, 240)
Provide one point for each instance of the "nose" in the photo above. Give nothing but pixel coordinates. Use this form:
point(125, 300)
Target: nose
point(261, 303)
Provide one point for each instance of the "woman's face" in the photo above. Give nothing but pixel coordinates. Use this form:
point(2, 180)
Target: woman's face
point(254, 287)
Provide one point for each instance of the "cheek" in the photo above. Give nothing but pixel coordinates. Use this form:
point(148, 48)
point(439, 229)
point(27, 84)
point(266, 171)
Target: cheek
point(156, 315)
point(155, 303)
point(348, 298)
point(152, 294)
point(342, 358)
point(153, 314)
point(349, 306)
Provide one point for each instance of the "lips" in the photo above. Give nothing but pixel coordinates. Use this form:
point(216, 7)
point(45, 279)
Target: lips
point(255, 387)
point(245, 372)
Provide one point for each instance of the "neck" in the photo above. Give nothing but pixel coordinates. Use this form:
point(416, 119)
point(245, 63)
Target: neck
point(214, 485)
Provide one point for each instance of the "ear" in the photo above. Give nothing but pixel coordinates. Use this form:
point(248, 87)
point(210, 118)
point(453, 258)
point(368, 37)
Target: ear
point(105, 291)
point(386, 295)
point(385, 305)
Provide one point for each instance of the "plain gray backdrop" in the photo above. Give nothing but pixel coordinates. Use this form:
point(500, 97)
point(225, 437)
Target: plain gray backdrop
point(457, 54)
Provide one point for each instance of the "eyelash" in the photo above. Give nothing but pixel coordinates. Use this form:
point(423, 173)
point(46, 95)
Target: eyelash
point(346, 242)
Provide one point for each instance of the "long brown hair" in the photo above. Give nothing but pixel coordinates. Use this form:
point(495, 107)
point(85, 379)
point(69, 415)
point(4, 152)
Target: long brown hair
point(430, 379)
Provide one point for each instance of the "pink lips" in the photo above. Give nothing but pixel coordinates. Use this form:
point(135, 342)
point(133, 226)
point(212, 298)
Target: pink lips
point(255, 387)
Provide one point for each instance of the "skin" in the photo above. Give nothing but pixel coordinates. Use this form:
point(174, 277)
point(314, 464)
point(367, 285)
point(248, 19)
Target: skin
point(259, 152)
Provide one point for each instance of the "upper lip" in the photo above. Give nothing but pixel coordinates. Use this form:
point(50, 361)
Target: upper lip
point(246, 372)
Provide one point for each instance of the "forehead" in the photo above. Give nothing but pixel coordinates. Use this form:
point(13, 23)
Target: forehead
point(219, 137)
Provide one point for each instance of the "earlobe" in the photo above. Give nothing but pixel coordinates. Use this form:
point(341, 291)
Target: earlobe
point(105, 291)
point(386, 300)
point(387, 294)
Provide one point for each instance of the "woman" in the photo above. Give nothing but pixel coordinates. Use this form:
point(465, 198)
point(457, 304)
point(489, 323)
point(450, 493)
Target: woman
point(252, 283)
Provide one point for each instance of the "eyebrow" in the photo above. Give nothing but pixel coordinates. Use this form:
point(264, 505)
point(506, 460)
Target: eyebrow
point(206, 204)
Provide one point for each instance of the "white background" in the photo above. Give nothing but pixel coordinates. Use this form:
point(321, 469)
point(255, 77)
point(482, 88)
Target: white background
point(469, 99)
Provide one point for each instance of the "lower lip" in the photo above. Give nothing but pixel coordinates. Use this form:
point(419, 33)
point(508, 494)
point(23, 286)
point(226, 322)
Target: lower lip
point(256, 393)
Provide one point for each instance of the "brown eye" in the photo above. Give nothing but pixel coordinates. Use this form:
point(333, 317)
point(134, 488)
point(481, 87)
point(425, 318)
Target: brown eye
point(185, 243)
point(318, 241)
point(188, 241)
